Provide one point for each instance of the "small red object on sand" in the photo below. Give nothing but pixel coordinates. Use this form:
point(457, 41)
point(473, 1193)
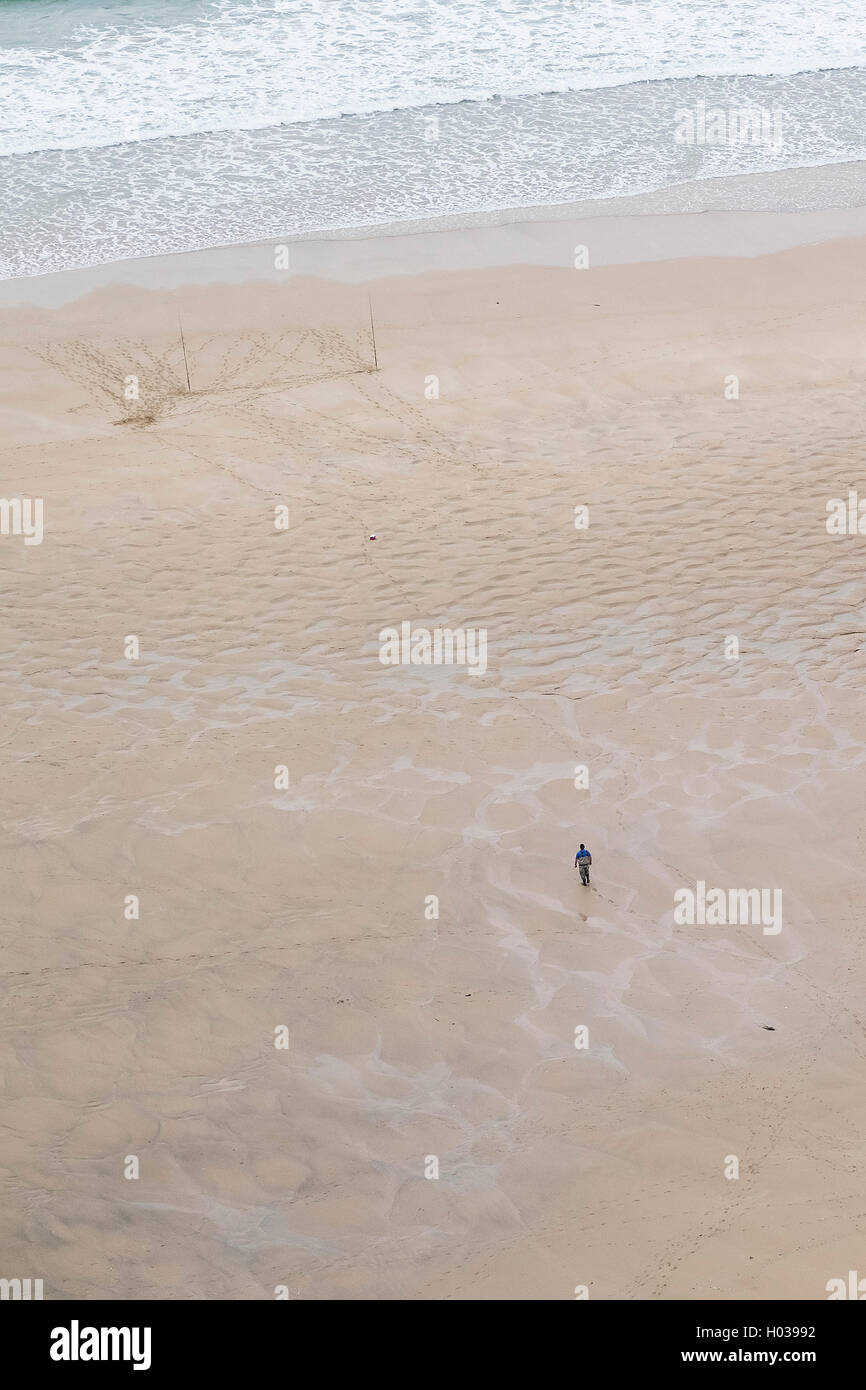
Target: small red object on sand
point(372, 538)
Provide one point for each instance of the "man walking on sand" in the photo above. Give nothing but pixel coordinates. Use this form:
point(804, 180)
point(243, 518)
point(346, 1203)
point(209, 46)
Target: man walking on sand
point(582, 861)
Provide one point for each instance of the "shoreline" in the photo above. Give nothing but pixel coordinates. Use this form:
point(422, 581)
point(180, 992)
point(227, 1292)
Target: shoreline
point(743, 216)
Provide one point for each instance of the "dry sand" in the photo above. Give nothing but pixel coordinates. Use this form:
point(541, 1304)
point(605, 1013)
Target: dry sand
point(305, 907)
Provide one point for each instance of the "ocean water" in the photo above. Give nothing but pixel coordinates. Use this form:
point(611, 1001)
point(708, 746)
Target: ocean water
point(135, 127)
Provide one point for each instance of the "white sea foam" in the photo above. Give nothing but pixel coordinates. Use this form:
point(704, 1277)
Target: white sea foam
point(81, 75)
point(168, 125)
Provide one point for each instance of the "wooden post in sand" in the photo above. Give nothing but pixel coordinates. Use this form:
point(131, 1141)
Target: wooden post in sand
point(373, 335)
point(185, 363)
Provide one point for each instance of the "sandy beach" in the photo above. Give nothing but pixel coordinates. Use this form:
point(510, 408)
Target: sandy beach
point(173, 899)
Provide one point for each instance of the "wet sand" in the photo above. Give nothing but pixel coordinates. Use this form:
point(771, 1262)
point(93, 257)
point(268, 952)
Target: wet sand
point(308, 907)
